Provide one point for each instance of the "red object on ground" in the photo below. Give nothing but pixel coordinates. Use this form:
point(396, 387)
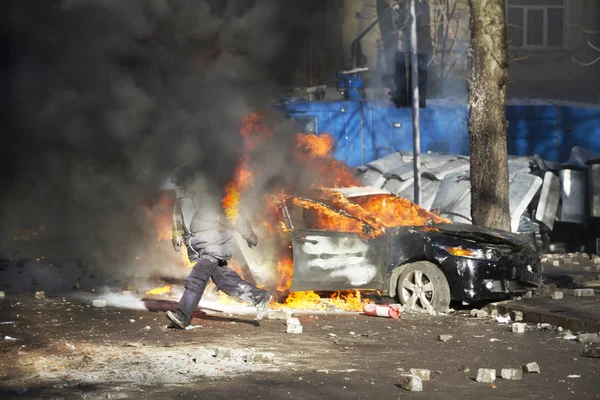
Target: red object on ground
point(383, 310)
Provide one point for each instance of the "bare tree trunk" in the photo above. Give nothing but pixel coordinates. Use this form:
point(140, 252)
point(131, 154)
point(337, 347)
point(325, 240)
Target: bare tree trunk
point(488, 74)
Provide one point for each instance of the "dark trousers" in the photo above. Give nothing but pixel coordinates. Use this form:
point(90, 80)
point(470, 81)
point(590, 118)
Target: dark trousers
point(226, 280)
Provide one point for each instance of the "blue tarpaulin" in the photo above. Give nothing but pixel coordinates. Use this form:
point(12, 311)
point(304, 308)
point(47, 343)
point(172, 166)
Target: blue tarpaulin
point(366, 131)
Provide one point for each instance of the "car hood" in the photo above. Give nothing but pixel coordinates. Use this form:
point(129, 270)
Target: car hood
point(481, 235)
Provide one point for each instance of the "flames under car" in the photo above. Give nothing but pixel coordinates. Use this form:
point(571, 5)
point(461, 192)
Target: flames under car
point(424, 266)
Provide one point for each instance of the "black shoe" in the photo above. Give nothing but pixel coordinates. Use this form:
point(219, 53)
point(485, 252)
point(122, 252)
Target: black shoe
point(263, 306)
point(178, 319)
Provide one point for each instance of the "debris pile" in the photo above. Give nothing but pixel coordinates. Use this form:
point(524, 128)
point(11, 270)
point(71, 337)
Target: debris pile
point(540, 192)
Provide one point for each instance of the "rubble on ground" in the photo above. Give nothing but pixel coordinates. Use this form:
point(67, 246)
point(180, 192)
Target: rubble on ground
point(519, 327)
point(486, 375)
point(557, 295)
point(99, 303)
point(412, 383)
point(531, 368)
point(512, 374)
point(424, 374)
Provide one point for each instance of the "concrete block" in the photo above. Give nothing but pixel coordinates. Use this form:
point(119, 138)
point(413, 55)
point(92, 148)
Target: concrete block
point(512, 374)
point(40, 295)
point(2, 295)
point(412, 383)
point(587, 337)
point(444, 338)
point(531, 368)
point(518, 327)
point(516, 316)
point(557, 295)
point(293, 325)
point(528, 295)
point(556, 263)
point(424, 374)
point(99, 303)
point(486, 375)
point(583, 292)
point(597, 260)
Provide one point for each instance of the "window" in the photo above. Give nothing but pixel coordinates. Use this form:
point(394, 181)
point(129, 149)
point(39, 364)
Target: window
point(536, 24)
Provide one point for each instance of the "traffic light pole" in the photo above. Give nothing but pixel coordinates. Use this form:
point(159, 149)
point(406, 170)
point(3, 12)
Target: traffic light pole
point(414, 68)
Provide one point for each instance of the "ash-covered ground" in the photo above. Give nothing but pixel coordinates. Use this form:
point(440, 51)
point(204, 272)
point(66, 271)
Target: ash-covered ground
point(62, 347)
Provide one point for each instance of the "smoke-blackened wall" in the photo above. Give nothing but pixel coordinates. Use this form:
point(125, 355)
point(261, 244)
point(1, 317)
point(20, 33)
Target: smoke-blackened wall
point(105, 98)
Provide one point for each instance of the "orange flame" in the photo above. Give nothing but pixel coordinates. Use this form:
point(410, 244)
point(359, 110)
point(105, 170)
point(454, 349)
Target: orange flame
point(160, 290)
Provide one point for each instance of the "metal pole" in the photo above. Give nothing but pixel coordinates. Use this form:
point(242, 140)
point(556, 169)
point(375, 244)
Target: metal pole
point(414, 69)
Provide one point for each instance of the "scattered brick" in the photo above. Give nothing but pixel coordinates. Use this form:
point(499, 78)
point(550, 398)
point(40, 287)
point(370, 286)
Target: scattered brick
point(412, 383)
point(486, 375)
point(531, 368)
point(518, 327)
point(99, 303)
point(511, 374)
point(557, 295)
point(424, 374)
point(583, 292)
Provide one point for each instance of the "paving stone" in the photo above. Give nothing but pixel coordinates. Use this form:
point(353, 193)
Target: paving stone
point(512, 374)
point(557, 295)
point(531, 368)
point(293, 325)
point(587, 337)
point(583, 292)
point(486, 375)
point(556, 263)
point(518, 327)
point(40, 295)
point(99, 303)
point(424, 374)
point(444, 338)
point(412, 383)
point(516, 316)
point(597, 260)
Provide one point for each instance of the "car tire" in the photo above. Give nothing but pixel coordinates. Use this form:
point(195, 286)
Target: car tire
point(423, 287)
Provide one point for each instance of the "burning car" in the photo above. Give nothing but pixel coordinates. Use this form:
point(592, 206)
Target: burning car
point(425, 266)
point(354, 238)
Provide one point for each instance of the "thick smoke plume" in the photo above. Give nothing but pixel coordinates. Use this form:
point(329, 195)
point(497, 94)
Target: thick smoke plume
point(107, 97)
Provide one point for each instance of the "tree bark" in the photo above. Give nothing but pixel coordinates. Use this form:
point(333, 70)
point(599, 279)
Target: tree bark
point(488, 75)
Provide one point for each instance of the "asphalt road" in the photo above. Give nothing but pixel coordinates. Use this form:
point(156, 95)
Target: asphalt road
point(66, 349)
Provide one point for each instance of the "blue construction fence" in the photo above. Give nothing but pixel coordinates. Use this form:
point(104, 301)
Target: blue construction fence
point(365, 131)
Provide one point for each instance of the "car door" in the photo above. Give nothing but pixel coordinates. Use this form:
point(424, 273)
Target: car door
point(327, 260)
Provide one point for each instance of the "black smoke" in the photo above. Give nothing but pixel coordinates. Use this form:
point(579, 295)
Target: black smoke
point(102, 99)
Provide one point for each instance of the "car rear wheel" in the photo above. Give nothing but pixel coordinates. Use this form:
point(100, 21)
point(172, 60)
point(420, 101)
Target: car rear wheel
point(422, 286)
